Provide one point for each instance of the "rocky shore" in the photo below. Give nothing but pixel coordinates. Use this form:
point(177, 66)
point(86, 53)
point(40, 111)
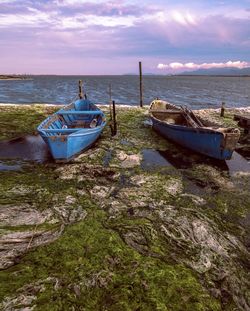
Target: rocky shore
point(134, 223)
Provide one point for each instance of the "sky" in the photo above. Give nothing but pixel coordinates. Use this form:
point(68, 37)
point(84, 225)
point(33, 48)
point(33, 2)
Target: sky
point(91, 37)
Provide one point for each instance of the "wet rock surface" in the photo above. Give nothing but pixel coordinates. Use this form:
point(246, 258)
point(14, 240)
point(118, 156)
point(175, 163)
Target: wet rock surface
point(15, 244)
point(107, 231)
point(23, 215)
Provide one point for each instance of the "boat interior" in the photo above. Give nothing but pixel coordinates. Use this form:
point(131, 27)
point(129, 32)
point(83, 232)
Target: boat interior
point(171, 114)
point(76, 116)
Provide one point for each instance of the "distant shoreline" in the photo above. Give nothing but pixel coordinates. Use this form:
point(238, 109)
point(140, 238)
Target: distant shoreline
point(17, 77)
point(207, 75)
point(13, 77)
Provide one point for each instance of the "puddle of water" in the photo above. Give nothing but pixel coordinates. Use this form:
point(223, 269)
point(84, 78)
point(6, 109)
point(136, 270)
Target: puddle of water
point(238, 164)
point(126, 142)
point(148, 123)
point(157, 160)
point(153, 159)
point(5, 166)
point(107, 157)
point(245, 152)
point(27, 148)
point(243, 147)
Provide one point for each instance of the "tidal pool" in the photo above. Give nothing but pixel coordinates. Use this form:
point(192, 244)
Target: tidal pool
point(27, 148)
point(155, 159)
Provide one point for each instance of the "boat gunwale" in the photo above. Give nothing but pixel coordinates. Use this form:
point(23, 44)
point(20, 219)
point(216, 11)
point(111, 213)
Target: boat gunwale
point(176, 110)
point(187, 128)
point(45, 131)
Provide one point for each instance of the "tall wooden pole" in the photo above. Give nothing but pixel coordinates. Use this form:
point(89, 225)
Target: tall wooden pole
point(114, 119)
point(80, 89)
point(140, 71)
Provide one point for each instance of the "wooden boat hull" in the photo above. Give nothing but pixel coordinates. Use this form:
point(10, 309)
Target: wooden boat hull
point(208, 141)
point(64, 148)
point(201, 141)
point(65, 140)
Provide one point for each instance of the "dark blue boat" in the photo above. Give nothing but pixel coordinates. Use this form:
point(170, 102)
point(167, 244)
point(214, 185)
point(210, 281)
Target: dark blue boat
point(185, 128)
point(72, 129)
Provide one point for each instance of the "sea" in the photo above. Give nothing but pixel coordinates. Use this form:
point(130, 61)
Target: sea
point(196, 92)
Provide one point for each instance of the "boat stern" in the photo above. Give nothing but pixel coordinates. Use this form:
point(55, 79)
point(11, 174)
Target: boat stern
point(58, 146)
point(229, 142)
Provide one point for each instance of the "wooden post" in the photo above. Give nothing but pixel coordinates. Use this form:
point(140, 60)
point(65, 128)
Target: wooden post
point(80, 89)
point(140, 72)
point(114, 125)
point(222, 111)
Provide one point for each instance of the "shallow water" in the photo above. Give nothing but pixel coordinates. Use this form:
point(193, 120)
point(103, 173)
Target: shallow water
point(152, 159)
point(6, 166)
point(107, 157)
point(195, 92)
point(32, 148)
point(27, 148)
point(155, 159)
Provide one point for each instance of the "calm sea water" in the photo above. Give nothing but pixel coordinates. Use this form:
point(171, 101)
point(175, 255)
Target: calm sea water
point(195, 92)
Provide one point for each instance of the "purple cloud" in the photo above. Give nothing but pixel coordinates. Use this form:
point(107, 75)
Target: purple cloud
point(69, 32)
point(102, 9)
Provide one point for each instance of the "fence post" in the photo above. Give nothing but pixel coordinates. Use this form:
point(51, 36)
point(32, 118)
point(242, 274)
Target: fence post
point(114, 119)
point(140, 73)
point(80, 89)
point(222, 110)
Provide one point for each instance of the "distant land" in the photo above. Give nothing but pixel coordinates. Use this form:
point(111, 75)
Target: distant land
point(13, 77)
point(231, 71)
point(144, 74)
point(218, 72)
point(200, 72)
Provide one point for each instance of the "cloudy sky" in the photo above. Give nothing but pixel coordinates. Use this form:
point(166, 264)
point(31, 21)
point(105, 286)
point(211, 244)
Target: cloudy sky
point(110, 37)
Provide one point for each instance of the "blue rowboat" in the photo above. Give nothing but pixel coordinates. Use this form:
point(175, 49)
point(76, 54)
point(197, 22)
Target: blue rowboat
point(182, 126)
point(72, 129)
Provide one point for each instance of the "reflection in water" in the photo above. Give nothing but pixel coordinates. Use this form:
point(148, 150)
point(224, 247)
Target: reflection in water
point(107, 157)
point(153, 159)
point(244, 152)
point(28, 148)
point(243, 147)
point(238, 164)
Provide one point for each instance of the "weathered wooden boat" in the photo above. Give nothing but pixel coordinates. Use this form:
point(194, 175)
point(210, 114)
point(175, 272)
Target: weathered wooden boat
point(185, 128)
point(72, 129)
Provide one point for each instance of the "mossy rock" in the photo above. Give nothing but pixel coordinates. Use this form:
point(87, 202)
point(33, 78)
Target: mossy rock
point(131, 250)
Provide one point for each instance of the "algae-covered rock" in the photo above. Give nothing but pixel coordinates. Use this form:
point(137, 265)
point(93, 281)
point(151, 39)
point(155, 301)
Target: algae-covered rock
point(26, 296)
point(16, 244)
point(128, 161)
point(103, 233)
point(23, 214)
